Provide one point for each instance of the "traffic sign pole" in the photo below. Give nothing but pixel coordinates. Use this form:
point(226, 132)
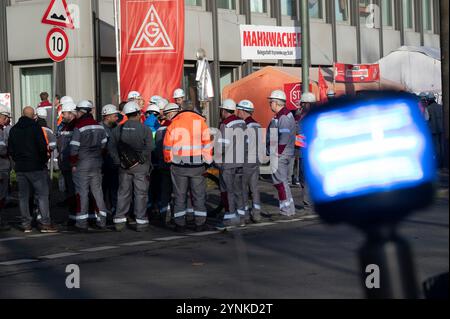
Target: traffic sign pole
point(53, 117)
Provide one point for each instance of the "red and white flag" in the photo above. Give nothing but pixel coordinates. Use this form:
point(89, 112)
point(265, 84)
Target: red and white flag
point(151, 47)
point(323, 87)
point(358, 73)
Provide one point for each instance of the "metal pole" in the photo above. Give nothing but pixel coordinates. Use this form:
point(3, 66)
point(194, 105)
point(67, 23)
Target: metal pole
point(116, 27)
point(53, 115)
point(306, 61)
point(248, 20)
point(358, 29)
point(214, 118)
point(444, 6)
point(279, 22)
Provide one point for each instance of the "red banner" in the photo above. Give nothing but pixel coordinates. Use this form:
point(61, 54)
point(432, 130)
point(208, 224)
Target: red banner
point(360, 73)
point(152, 47)
point(294, 94)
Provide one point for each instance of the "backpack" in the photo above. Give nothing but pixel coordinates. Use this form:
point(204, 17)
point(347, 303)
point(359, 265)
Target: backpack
point(128, 156)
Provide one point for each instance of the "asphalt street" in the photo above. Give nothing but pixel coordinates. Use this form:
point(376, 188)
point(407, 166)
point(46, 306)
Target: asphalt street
point(290, 259)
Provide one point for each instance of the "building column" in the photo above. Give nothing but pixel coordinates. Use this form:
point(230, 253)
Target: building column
point(79, 65)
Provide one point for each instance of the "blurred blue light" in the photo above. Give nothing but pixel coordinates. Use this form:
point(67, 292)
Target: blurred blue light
point(366, 148)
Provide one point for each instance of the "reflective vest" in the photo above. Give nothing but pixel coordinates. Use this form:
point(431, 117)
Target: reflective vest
point(188, 140)
point(300, 141)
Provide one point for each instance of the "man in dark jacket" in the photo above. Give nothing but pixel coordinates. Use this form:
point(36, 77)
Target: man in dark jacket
point(28, 148)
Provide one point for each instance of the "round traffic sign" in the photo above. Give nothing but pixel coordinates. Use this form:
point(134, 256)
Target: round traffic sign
point(57, 44)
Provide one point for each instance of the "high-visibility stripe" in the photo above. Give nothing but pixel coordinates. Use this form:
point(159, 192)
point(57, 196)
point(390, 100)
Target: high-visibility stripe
point(75, 143)
point(91, 127)
point(66, 133)
point(141, 221)
point(52, 144)
point(206, 146)
point(235, 122)
point(286, 203)
point(180, 214)
point(256, 206)
point(241, 212)
point(300, 141)
point(104, 141)
point(190, 210)
point(200, 214)
point(103, 214)
point(254, 125)
point(284, 130)
point(229, 216)
point(164, 209)
point(120, 220)
point(2, 144)
point(223, 141)
point(82, 217)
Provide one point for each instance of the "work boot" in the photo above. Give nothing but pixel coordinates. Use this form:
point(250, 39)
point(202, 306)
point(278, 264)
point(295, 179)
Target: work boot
point(48, 229)
point(120, 227)
point(255, 217)
point(101, 222)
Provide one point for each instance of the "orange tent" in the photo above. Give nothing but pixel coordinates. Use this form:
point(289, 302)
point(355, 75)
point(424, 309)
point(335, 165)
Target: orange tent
point(258, 86)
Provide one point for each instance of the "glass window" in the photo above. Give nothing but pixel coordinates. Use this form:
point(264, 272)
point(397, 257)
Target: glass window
point(287, 7)
point(364, 11)
point(193, 2)
point(226, 4)
point(226, 77)
point(316, 9)
point(33, 81)
point(427, 15)
point(110, 92)
point(342, 10)
point(257, 6)
point(408, 14)
point(388, 20)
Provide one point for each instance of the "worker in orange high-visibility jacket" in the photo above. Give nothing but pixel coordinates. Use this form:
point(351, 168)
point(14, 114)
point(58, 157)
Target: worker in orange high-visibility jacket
point(187, 147)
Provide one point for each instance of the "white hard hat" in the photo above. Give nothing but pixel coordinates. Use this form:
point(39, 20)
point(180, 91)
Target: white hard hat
point(155, 99)
point(308, 98)
point(229, 105)
point(4, 110)
point(171, 107)
point(152, 108)
point(278, 95)
point(179, 93)
point(66, 99)
point(131, 107)
point(41, 112)
point(134, 95)
point(69, 107)
point(331, 93)
point(246, 105)
point(162, 103)
point(85, 104)
point(109, 109)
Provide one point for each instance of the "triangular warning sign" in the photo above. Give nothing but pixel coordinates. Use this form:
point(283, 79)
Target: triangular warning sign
point(152, 35)
point(58, 14)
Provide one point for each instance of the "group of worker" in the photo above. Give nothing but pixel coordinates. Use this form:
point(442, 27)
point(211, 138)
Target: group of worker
point(108, 166)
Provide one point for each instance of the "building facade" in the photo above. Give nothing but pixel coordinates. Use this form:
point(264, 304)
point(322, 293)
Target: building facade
point(347, 31)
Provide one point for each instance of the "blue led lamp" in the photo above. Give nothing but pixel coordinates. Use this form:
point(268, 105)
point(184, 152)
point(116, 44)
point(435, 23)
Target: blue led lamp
point(369, 159)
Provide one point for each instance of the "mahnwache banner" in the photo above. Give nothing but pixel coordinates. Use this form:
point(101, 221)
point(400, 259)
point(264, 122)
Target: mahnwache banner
point(260, 42)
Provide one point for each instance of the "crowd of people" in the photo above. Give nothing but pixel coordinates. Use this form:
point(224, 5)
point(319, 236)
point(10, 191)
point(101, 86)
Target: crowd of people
point(149, 159)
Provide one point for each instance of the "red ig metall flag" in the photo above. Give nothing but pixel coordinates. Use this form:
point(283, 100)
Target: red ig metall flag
point(152, 47)
point(357, 73)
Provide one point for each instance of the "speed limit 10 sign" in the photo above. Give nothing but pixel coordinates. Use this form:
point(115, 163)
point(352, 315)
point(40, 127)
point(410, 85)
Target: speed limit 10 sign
point(57, 44)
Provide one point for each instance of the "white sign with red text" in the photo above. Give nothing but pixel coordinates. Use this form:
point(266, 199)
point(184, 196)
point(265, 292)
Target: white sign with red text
point(260, 42)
